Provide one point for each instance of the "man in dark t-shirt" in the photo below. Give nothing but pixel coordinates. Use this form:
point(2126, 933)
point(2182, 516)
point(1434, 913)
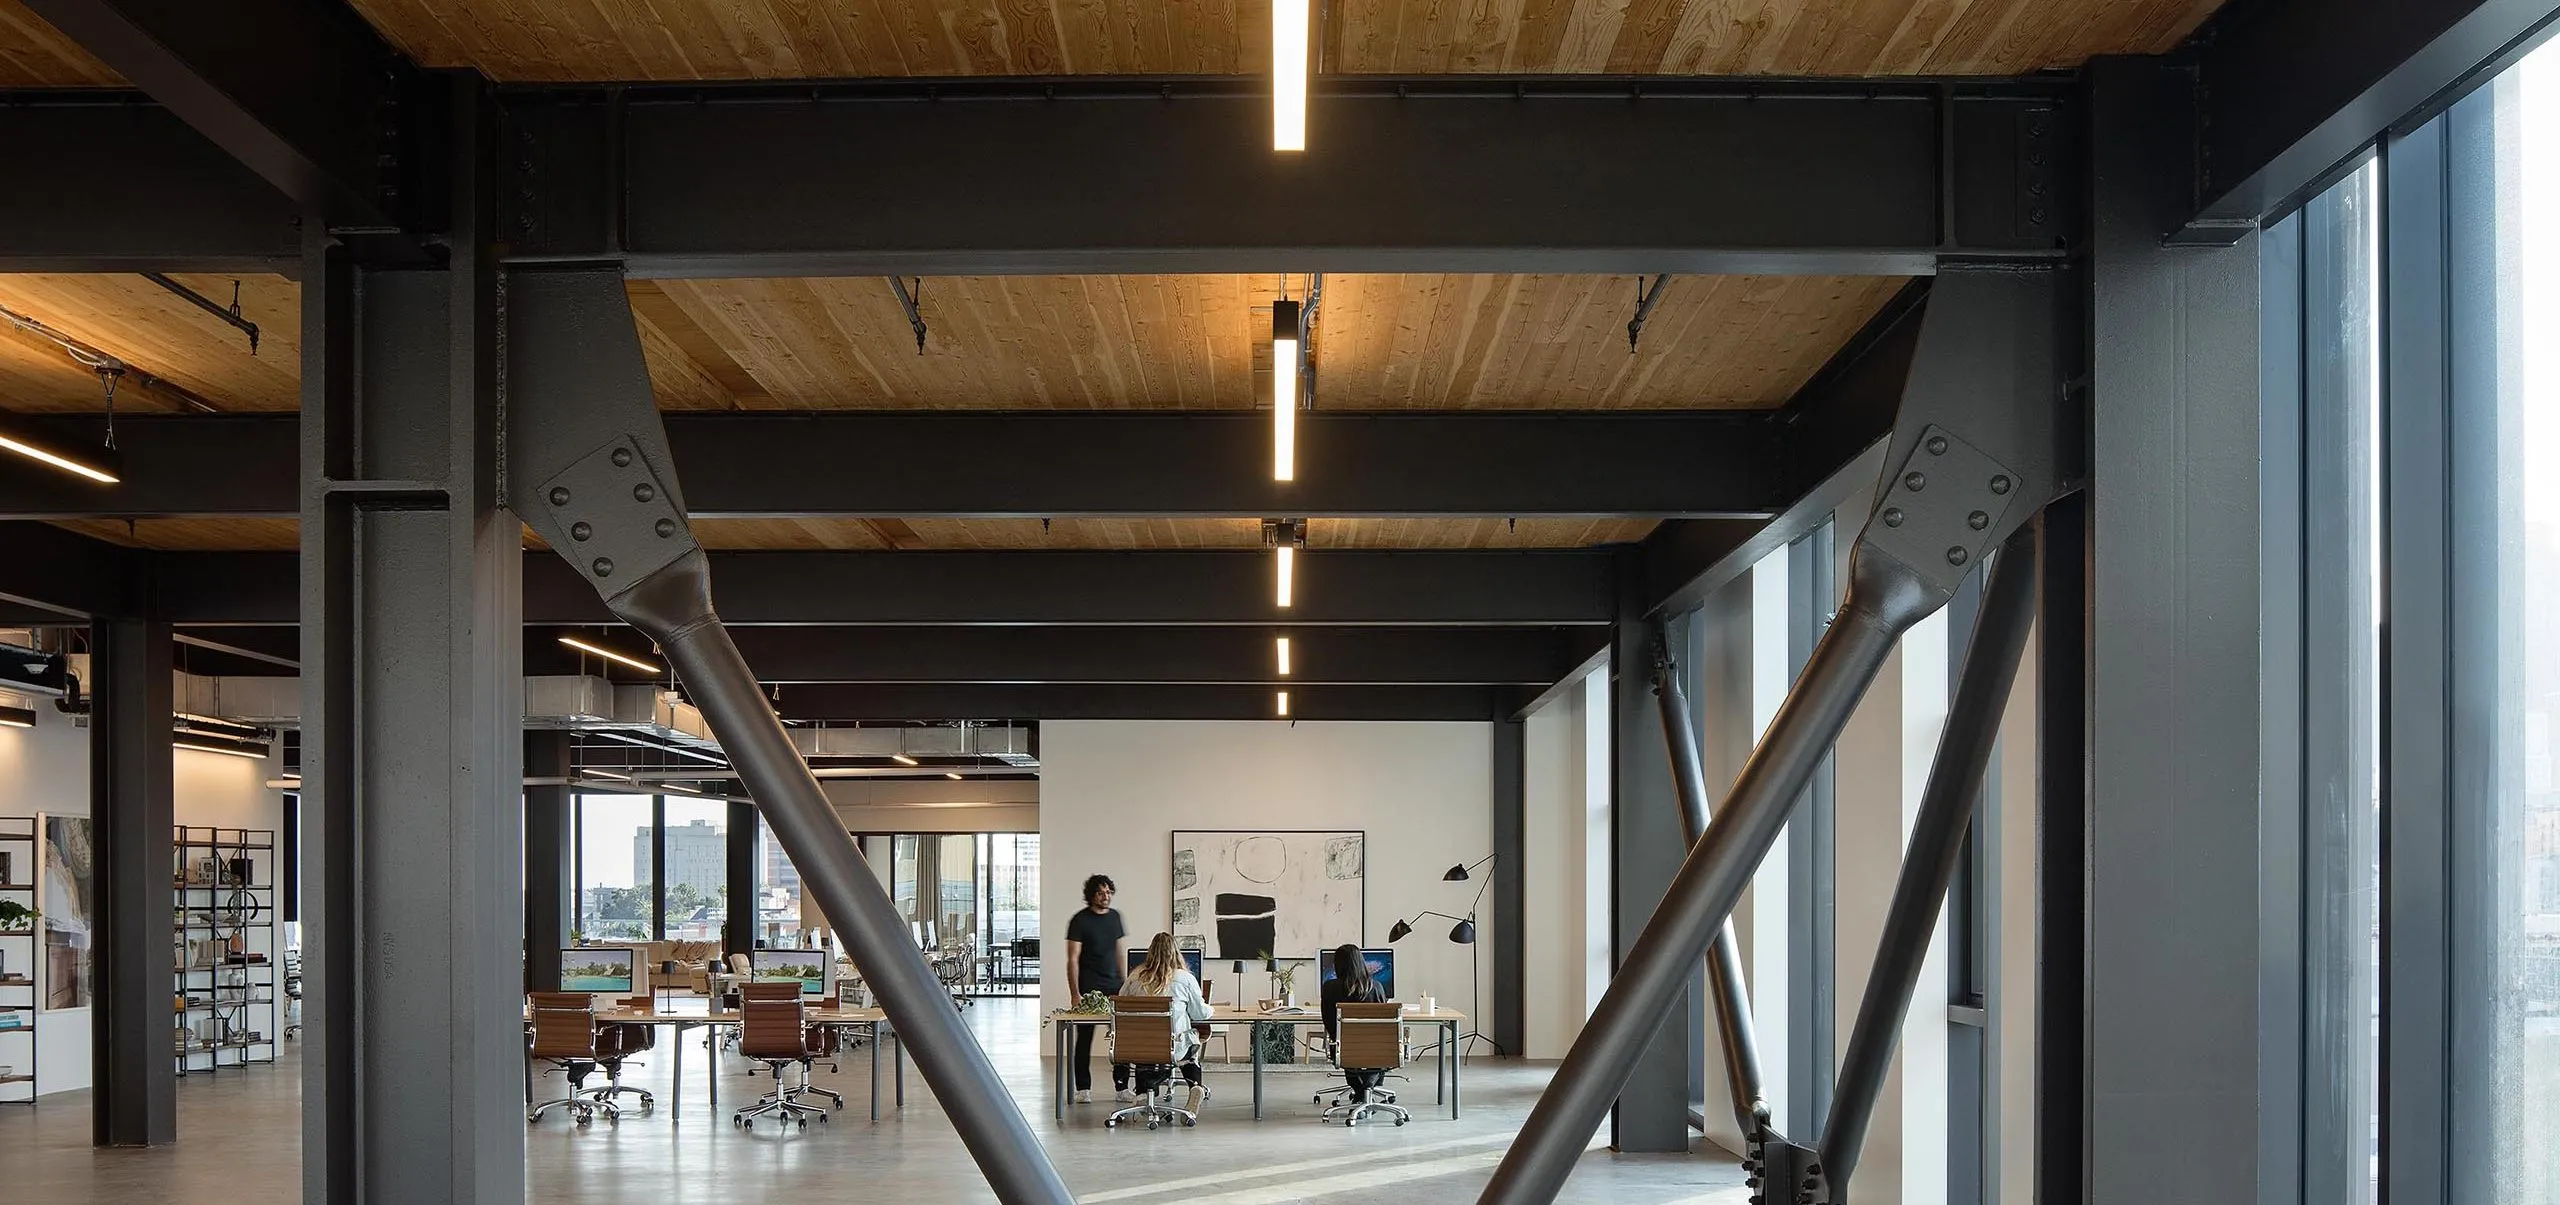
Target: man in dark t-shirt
point(1097, 942)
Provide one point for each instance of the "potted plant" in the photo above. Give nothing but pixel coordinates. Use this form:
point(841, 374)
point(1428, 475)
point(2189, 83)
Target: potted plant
point(16, 917)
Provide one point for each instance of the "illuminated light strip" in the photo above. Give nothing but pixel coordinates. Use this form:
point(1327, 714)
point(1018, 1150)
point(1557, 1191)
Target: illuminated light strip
point(610, 655)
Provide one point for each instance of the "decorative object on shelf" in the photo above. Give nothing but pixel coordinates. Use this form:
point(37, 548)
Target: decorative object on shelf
point(1242, 894)
point(226, 938)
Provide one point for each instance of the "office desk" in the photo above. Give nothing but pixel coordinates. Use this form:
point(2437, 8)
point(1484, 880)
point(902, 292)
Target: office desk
point(883, 1036)
point(1444, 1077)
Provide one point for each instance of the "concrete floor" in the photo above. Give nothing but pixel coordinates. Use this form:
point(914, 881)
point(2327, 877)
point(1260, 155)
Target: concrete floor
point(240, 1141)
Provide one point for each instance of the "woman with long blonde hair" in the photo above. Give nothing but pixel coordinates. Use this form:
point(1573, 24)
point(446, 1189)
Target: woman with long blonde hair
point(1163, 974)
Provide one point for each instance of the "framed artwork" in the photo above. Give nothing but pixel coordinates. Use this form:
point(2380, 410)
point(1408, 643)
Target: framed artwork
point(69, 892)
point(1282, 893)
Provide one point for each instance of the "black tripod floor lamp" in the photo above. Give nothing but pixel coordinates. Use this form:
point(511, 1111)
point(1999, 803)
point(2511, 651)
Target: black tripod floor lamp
point(1463, 933)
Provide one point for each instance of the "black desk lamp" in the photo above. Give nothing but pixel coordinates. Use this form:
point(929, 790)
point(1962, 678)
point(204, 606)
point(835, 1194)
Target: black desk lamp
point(1463, 933)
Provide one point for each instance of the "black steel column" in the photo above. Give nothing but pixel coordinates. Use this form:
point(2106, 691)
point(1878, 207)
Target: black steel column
point(2174, 1042)
point(1647, 846)
point(135, 1093)
point(412, 631)
point(1510, 903)
point(548, 874)
point(738, 931)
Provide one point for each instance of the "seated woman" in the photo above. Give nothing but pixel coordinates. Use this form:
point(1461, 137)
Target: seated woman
point(1351, 983)
point(1162, 974)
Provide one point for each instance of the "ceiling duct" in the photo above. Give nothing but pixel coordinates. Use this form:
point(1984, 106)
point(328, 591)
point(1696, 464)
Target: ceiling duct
point(554, 702)
point(1003, 745)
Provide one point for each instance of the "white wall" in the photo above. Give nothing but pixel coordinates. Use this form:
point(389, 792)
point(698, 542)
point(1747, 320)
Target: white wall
point(1557, 837)
point(46, 769)
point(1112, 792)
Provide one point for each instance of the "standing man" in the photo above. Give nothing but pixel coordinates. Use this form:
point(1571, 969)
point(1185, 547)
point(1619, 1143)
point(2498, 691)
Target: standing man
point(1096, 953)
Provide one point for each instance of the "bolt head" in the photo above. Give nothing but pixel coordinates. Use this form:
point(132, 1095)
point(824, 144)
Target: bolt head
point(2000, 484)
point(644, 491)
point(666, 528)
point(1977, 520)
point(1937, 445)
point(604, 566)
point(1956, 556)
point(1893, 516)
point(622, 458)
point(559, 495)
point(1914, 480)
point(581, 531)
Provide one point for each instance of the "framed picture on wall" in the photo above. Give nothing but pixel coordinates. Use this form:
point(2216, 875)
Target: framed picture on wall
point(1285, 893)
point(68, 890)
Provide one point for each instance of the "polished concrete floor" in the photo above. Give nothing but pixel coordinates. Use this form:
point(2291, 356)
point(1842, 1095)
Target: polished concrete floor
point(240, 1140)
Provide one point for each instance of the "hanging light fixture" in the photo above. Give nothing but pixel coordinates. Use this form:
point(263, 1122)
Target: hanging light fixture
point(587, 646)
point(1284, 656)
point(1284, 390)
point(1289, 59)
point(1285, 536)
point(1284, 704)
point(100, 464)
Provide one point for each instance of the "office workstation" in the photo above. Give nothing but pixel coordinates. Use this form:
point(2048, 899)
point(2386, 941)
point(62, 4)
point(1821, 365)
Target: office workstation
point(1873, 603)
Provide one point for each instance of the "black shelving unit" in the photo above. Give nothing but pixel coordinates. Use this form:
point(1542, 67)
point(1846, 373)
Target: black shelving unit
point(19, 951)
point(226, 960)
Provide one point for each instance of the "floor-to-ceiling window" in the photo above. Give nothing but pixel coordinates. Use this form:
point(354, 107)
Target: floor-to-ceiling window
point(2505, 205)
point(778, 892)
point(697, 880)
point(616, 886)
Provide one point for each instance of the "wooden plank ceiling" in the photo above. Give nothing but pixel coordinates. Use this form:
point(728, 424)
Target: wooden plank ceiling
point(279, 535)
point(1047, 342)
point(533, 40)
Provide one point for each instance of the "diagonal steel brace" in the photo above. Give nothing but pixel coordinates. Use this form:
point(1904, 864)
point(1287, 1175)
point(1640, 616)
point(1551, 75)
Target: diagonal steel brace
point(588, 468)
point(1734, 1029)
point(1977, 452)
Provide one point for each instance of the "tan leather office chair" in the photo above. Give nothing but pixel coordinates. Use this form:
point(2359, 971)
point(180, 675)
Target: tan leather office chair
point(772, 1030)
point(1142, 1037)
point(1370, 1039)
point(822, 1042)
point(564, 1035)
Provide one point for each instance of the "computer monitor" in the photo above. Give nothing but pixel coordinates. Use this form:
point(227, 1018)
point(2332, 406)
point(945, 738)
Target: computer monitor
point(1190, 961)
point(1382, 967)
point(597, 970)
point(811, 969)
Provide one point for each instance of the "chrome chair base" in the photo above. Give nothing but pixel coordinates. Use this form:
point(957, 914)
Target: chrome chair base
point(1157, 1107)
point(1353, 1112)
point(782, 1104)
point(584, 1107)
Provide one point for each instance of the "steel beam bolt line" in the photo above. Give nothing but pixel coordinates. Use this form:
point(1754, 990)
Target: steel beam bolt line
point(1734, 1029)
point(1937, 841)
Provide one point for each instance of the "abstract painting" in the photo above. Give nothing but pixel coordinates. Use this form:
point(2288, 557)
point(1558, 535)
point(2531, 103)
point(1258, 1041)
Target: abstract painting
point(1285, 894)
point(70, 877)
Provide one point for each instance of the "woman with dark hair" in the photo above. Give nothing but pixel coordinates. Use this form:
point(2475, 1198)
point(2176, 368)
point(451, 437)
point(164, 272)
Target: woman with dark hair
point(1351, 983)
point(1096, 941)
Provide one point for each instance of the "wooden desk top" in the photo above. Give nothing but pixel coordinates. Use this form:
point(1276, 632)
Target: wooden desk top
point(1220, 1014)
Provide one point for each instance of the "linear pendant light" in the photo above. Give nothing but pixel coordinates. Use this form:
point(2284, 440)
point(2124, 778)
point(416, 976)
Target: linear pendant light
point(101, 465)
point(1284, 656)
point(1289, 75)
point(1284, 390)
point(599, 650)
point(1284, 704)
point(1287, 570)
point(17, 717)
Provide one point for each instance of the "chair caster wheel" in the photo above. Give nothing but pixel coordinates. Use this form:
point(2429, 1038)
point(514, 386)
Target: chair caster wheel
point(1151, 1127)
point(1400, 1122)
point(804, 1123)
point(1187, 1123)
point(1110, 1123)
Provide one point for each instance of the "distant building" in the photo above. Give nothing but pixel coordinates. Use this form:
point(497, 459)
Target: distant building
point(697, 853)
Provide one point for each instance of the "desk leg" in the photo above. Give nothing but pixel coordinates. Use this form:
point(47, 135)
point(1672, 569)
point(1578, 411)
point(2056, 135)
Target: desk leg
point(675, 1086)
point(1257, 1071)
point(1440, 1067)
point(711, 1055)
point(1058, 1101)
point(1457, 1064)
point(876, 1041)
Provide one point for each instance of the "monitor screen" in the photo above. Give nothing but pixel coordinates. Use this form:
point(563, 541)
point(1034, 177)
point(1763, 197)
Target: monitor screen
point(596, 970)
point(1382, 967)
point(808, 968)
point(1190, 961)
